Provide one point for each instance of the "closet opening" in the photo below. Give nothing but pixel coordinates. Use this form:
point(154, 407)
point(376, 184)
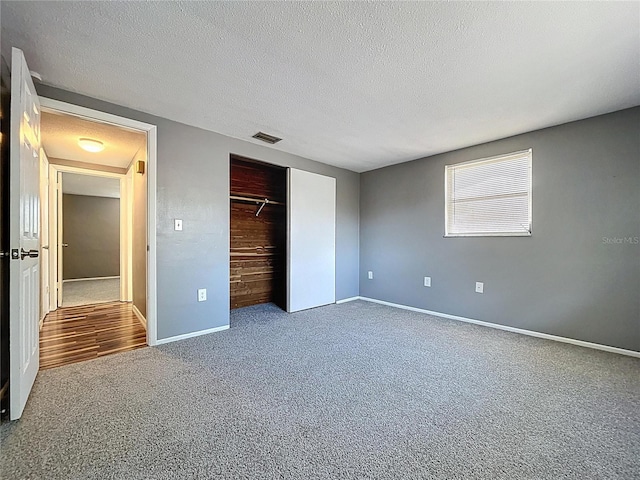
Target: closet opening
point(258, 233)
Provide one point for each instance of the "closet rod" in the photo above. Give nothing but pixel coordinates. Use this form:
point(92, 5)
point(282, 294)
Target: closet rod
point(254, 200)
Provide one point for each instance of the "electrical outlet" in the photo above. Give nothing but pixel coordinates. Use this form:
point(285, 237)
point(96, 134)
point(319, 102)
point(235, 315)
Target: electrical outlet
point(479, 287)
point(370, 275)
point(202, 294)
point(177, 224)
point(427, 281)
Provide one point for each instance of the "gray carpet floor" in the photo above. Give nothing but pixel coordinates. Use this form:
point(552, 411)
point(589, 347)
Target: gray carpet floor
point(349, 391)
point(86, 292)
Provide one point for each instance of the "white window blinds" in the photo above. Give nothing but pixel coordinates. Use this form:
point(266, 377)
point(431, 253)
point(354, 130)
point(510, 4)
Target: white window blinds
point(489, 197)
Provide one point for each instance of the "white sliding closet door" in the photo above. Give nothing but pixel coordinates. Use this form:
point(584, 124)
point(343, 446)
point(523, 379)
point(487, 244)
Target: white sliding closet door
point(311, 255)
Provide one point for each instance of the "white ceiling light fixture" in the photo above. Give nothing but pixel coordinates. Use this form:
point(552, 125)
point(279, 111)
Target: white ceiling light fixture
point(91, 145)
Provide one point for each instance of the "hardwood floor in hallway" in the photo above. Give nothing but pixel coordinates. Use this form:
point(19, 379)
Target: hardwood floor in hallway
point(75, 334)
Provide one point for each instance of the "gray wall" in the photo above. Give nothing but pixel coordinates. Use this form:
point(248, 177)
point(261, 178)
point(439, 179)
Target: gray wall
point(91, 227)
point(566, 279)
point(193, 184)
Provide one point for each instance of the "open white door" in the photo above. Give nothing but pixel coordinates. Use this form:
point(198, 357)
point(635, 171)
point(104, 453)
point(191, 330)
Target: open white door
point(311, 253)
point(24, 205)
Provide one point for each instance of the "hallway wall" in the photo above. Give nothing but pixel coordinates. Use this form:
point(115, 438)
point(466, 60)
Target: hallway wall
point(140, 241)
point(91, 228)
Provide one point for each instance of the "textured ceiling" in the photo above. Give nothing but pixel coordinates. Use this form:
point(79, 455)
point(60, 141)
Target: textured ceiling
point(354, 84)
point(90, 185)
point(60, 134)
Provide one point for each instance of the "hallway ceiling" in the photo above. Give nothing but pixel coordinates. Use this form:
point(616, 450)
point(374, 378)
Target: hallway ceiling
point(60, 134)
point(358, 85)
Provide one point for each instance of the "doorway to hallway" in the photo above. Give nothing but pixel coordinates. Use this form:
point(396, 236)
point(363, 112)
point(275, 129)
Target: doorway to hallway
point(94, 284)
point(92, 260)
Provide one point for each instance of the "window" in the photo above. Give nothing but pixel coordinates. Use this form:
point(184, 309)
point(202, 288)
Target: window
point(489, 197)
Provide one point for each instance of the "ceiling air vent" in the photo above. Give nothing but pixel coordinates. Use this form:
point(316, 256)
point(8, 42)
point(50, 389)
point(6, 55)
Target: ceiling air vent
point(266, 138)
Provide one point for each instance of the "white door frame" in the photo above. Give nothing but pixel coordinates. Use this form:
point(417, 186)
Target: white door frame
point(56, 233)
point(126, 211)
point(125, 230)
point(152, 152)
point(45, 230)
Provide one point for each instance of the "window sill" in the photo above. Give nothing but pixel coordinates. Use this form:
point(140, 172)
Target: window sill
point(457, 235)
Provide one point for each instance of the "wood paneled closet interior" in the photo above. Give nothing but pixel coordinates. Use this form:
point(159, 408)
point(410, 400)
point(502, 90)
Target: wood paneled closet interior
point(258, 217)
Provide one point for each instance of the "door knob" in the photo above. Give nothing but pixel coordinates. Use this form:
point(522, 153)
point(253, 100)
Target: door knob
point(45, 247)
point(30, 254)
point(65, 244)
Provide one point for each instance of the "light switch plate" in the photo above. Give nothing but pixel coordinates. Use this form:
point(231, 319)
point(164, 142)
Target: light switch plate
point(427, 281)
point(177, 224)
point(479, 287)
point(370, 275)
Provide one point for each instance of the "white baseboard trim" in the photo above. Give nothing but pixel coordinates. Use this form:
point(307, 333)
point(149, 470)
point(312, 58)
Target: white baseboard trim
point(192, 334)
point(345, 300)
point(90, 278)
point(143, 320)
point(531, 333)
